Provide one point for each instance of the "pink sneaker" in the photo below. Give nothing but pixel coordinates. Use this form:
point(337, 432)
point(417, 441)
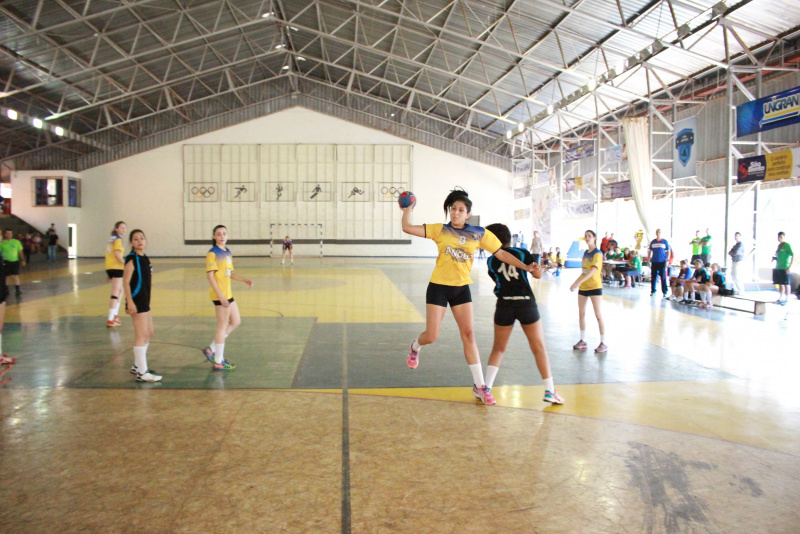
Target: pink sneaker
point(601, 348)
point(580, 345)
point(553, 397)
point(413, 357)
point(484, 394)
point(5, 360)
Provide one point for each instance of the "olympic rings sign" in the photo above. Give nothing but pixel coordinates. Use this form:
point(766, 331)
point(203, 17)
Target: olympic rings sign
point(390, 192)
point(203, 192)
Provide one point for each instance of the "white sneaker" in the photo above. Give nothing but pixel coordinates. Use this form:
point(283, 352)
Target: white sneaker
point(148, 377)
point(282, 262)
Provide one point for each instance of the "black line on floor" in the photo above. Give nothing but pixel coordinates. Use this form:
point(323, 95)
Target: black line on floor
point(345, 438)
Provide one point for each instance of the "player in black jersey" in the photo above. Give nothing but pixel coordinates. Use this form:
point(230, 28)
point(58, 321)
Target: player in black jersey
point(515, 302)
point(136, 282)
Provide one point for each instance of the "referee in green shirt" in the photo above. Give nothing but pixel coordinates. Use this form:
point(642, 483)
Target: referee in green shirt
point(783, 262)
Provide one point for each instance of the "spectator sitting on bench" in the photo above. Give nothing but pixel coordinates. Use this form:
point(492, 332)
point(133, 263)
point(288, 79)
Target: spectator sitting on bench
point(632, 269)
point(697, 283)
point(556, 262)
point(676, 283)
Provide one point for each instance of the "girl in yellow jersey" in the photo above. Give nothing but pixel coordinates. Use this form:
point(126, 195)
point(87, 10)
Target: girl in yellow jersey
point(457, 242)
point(219, 271)
point(114, 267)
point(591, 287)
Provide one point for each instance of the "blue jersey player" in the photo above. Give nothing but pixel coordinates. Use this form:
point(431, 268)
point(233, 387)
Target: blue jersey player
point(515, 302)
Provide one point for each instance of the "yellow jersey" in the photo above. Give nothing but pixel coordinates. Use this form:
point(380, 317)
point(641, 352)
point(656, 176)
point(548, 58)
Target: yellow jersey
point(592, 258)
point(114, 244)
point(457, 248)
point(221, 263)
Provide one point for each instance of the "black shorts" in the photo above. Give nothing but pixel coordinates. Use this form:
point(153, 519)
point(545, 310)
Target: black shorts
point(219, 302)
point(441, 295)
point(590, 292)
point(508, 311)
point(114, 273)
point(3, 293)
point(779, 276)
point(142, 303)
point(12, 267)
point(287, 245)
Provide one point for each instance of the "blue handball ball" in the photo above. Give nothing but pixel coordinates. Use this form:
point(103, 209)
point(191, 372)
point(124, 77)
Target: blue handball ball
point(406, 198)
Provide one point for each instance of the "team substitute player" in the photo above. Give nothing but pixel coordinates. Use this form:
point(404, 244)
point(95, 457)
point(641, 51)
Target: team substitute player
point(515, 302)
point(590, 287)
point(449, 284)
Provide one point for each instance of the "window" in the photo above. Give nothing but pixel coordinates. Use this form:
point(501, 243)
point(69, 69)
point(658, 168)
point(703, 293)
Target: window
point(74, 193)
point(49, 192)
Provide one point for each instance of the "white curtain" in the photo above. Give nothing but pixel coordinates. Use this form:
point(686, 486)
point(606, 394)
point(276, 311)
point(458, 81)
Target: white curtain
point(639, 167)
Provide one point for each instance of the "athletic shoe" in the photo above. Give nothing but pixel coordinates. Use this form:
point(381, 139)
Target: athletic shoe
point(665, 295)
point(601, 348)
point(653, 294)
point(413, 357)
point(208, 353)
point(552, 396)
point(135, 370)
point(580, 345)
point(5, 360)
point(148, 376)
point(483, 394)
point(117, 322)
point(111, 324)
point(224, 366)
point(282, 262)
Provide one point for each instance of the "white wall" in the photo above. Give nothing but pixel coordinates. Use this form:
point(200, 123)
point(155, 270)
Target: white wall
point(146, 190)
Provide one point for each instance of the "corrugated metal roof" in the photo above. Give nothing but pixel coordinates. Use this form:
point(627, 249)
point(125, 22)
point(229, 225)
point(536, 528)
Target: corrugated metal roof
point(111, 73)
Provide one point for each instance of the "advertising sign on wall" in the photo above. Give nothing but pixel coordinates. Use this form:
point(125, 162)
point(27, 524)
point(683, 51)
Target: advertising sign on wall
point(774, 166)
point(583, 150)
point(773, 111)
point(616, 190)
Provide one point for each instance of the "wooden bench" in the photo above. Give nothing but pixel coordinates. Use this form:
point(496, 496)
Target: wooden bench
point(759, 305)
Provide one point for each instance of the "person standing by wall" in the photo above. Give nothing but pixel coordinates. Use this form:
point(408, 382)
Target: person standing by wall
point(737, 255)
point(695, 247)
point(536, 247)
point(658, 257)
point(705, 248)
point(10, 249)
point(604, 243)
point(52, 242)
point(780, 274)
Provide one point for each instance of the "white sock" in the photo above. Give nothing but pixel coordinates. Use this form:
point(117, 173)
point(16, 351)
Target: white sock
point(111, 313)
point(477, 375)
point(691, 295)
point(116, 307)
point(415, 345)
point(213, 346)
point(708, 297)
point(219, 353)
point(140, 359)
point(491, 374)
point(549, 385)
point(602, 338)
point(583, 335)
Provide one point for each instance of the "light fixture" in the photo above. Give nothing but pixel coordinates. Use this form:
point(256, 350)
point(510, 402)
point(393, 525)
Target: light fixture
point(267, 15)
point(550, 109)
point(11, 114)
point(59, 131)
point(280, 46)
point(285, 67)
point(508, 134)
point(37, 123)
point(592, 84)
point(521, 127)
point(293, 28)
point(300, 58)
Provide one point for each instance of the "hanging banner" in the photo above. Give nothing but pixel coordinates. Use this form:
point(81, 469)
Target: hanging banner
point(774, 166)
point(583, 150)
point(541, 211)
point(616, 190)
point(522, 178)
point(579, 210)
point(614, 153)
point(773, 111)
point(543, 177)
point(684, 149)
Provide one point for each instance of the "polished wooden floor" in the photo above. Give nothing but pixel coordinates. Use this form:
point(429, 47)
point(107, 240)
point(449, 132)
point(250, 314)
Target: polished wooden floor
point(690, 423)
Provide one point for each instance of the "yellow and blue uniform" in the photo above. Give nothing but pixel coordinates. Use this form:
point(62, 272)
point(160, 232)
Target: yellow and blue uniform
point(114, 244)
point(592, 258)
point(221, 262)
point(457, 247)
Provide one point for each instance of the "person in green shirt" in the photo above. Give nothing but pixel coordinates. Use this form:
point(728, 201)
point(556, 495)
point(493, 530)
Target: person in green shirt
point(705, 248)
point(783, 262)
point(695, 247)
point(10, 249)
point(634, 268)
